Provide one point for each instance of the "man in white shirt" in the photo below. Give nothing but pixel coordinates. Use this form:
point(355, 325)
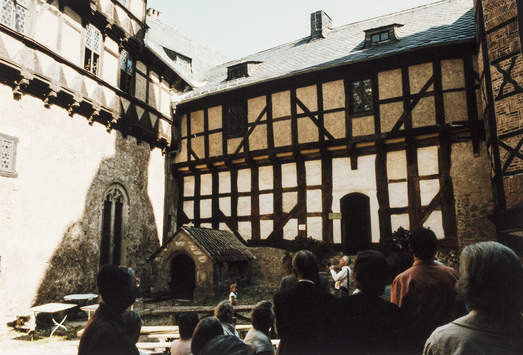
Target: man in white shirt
point(342, 278)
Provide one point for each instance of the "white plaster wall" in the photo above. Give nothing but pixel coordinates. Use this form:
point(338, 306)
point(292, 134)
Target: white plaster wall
point(224, 182)
point(362, 180)
point(156, 187)
point(313, 172)
point(244, 180)
point(57, 159)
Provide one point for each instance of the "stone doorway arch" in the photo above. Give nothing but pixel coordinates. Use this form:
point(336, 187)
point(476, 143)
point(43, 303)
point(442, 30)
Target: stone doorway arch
point(183, 277)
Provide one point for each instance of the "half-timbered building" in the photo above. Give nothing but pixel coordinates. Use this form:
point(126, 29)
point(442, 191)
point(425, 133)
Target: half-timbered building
point(500, 32)
point(344, 135)
point(85, 129)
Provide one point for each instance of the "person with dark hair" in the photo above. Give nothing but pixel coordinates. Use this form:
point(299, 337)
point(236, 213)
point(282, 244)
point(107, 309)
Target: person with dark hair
point(186, 325)
point(300, 311)
point(207, 329)
point(226, 345)
point(364, 323)
point(426, 291)
point(107, 332)
point(291, 280)
point(491, 282)
point(224, 312)
point(258, 337)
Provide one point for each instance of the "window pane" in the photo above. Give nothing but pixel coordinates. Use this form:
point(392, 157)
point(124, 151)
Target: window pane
point(375, 38)
point(384, 36)
point(235, 120)
point(357, 101)
point(6, 12)
point(20, 19)
point(367, 95)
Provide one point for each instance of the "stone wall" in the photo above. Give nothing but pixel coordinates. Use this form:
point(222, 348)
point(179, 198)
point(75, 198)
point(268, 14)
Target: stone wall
point(472, 192)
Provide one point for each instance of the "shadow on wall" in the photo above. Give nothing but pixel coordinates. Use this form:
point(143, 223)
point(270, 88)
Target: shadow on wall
point(76, 260)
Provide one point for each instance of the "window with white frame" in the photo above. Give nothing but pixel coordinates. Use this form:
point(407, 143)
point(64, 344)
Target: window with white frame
point(93, 49)
point(7, 155)
point(13, 13)
point(126, 72)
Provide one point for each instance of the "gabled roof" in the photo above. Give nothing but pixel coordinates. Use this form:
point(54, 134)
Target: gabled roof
point(222, 246)
point(160, 36)
point(437, 24)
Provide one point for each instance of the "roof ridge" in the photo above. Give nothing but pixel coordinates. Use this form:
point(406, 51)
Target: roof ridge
point(185, 36)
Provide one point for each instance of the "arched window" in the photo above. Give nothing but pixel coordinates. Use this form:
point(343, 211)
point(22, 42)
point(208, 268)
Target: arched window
point(114, 224)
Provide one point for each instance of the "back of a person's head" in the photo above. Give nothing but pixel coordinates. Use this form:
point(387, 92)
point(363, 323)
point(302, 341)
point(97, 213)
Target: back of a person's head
point(371, 272)
point(224, 311)
point(187, 323)
point(491, 278)
point(423, 243)
point(226, 345)
point(262, 316)
point(207, 329)
point(115, 283)
point(305, 265)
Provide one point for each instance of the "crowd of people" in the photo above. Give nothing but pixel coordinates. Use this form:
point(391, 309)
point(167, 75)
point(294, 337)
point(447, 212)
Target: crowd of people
point(433, 309)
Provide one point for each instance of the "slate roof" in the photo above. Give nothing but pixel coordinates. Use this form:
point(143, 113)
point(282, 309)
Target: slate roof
point(160, 36)
point(220, 245)
point(437, 24)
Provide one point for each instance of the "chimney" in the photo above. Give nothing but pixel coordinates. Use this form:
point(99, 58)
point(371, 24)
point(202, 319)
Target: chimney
point(154, 14)
point(321, 23)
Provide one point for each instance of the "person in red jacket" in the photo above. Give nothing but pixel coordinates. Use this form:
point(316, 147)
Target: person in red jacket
point(426, 291)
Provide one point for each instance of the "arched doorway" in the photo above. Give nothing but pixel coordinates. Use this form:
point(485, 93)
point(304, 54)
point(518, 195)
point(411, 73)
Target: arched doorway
point(355, 223)
point(183, 277)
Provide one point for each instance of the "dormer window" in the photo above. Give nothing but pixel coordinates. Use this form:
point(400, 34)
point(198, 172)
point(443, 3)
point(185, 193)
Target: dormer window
point(380, 37)
point(180, 60)
point(242, 70)
point(382, 34)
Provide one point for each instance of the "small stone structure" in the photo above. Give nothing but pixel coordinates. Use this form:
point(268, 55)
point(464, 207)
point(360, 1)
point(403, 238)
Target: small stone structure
point(197, 262)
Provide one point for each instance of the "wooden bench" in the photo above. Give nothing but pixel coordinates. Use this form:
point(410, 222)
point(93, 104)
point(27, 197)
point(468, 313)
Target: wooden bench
point(151, 329)
point(203, 311)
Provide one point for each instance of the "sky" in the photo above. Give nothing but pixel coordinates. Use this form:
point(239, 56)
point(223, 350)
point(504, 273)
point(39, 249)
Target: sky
point(242, 27)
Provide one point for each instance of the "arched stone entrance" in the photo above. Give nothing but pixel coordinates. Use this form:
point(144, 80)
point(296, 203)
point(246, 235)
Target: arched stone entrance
point(183, 277)
point(355, 223)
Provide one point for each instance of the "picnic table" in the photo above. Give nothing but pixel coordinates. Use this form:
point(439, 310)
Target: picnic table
point(50, 308)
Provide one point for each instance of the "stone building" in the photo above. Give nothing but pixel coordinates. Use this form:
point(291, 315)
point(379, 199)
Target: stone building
point(198, 262)
point(85, 130)
point(344, 135)
point(500, 32)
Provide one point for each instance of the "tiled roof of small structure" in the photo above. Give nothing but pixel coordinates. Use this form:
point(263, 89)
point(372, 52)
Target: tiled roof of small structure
point(222, 246)
point(160, 36)
point(437, 24)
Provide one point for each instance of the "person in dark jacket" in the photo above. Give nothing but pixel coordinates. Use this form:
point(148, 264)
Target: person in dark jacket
point(108, 331)
point(364, 323)
point(300, 311)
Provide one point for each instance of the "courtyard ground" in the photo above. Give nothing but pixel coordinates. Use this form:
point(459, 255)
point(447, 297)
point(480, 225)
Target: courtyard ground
point(14, 342)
